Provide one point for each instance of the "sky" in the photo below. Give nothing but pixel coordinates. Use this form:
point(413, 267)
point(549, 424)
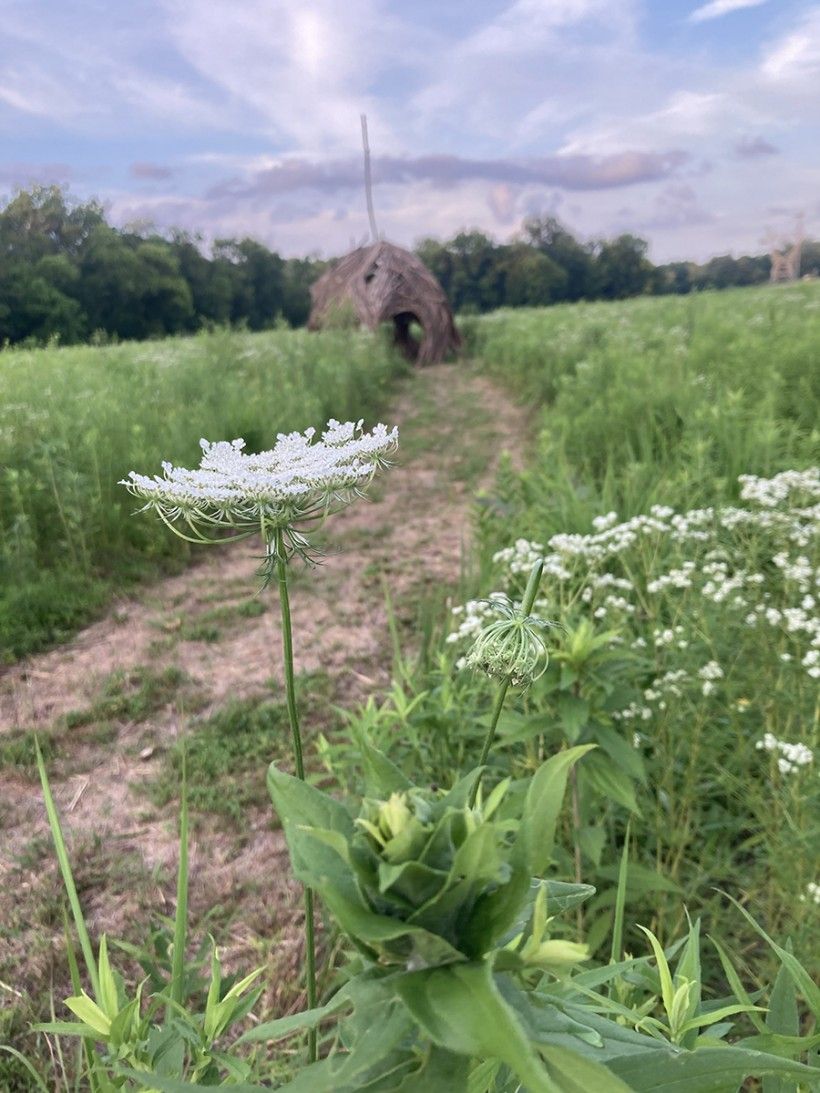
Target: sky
point(692, 123)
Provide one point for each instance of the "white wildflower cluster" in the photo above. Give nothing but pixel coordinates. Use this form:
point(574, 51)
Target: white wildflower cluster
point(769, 492)
point(298, 479)
point(790, 757)
point(675, 578)
point(671, 683)
point(473, 615)
point(709, 674)
point(672, 635)
point(812, 892)
point(775, 583)
point(633, 712)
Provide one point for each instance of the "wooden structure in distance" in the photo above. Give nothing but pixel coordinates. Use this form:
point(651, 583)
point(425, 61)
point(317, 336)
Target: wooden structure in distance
point(382, 283)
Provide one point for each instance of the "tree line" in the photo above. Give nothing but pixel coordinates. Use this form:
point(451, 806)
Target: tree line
point(67, 274)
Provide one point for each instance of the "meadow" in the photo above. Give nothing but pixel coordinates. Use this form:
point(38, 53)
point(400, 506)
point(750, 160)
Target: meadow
point(665, 477)
point(74, 421)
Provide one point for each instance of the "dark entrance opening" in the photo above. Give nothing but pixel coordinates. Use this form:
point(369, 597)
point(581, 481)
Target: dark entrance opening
point(407, 333)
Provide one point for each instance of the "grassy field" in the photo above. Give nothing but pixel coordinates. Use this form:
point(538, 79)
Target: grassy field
point(75, 421)
point(672, 494)
point(665, 469)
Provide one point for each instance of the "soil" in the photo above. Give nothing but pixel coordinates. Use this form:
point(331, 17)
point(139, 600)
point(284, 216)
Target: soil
point(413, 535)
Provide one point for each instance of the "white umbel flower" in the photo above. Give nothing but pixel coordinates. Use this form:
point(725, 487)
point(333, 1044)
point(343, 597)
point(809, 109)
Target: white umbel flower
point(299, 479)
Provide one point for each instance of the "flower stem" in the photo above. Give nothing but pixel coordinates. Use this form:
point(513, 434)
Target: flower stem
point(488, 739)
point(529, 599)
point(293, 717)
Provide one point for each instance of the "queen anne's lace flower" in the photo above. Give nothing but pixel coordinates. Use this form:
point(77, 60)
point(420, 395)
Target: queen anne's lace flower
point(297, 480)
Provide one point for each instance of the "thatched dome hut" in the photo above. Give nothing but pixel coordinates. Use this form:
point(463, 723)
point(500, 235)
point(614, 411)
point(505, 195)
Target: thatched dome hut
point(380, 283)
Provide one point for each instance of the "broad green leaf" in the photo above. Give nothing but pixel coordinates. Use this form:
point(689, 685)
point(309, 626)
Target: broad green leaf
point(639, 880)
point(460, 1009)
point(542, 806)
point(459, 795)
point(419, 946)
point(621, 752)
point(573, 713)
point(298, 803)
point(87, 1010)
point(577, 1074)
point(710, 1070)
point(601, 777)
point(381, 775)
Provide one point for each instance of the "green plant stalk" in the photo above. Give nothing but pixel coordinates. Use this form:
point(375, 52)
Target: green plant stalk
point(181, 915)
point(529, 599)
point(67, 875)
point(293, 717)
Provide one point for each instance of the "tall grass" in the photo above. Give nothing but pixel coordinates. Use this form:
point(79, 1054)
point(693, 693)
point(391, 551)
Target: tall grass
point(661, 401)
point(75, 421)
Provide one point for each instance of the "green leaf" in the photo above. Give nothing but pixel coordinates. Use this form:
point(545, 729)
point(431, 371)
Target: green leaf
point(181, 911)
point(573, 713)
point(64, 1028)
point(298, 803)
point(381, 775)
point(460, 1009)
point(736, 984)
point(667, 989)
point(783, 1018)
point(627, 758)
point(639, 880)
point(176, 1085)
point(802, 980)
point(580, 1075)
point(295, 1022)
point(709, 1070)
point(620, 900)
point(601, 777)
point(67, 875)
point(542, 806)
point(15, 1054)
point(87, 1010)
point(109, 1002)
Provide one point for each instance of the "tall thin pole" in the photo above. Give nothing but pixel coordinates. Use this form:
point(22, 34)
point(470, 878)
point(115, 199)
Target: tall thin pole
point(368, 182)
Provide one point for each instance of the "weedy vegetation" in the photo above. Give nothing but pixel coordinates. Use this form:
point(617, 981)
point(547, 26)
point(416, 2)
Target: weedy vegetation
point(573, 849)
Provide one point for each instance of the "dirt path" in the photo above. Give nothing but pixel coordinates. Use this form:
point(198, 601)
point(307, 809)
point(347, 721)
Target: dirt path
point(113, 700)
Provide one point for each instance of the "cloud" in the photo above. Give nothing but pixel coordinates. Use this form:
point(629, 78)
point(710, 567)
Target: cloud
point(794, 61)
point(754, 147)
point(21, 175)
point(151, 171)
point(716, 8)
point(569, 172)
point(676, 206)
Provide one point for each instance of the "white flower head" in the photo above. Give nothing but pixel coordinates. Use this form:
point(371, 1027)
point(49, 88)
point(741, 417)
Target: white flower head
point(299, 479)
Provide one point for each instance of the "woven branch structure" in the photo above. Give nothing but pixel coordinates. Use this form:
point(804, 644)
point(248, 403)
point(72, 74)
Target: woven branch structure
point(384, 283)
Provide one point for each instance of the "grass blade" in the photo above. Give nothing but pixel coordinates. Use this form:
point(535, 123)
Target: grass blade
point(67, 875)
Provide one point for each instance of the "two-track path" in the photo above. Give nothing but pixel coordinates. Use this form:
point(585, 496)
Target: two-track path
point(413, 534)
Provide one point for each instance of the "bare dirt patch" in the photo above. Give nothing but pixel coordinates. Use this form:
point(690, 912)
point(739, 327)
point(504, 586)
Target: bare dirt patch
point(412, 535)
